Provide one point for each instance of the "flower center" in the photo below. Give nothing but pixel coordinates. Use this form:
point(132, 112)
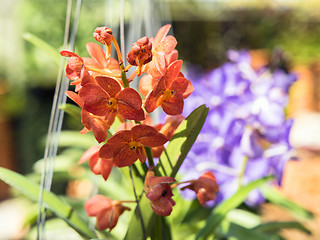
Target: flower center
point(134, 145)
point(167, 94)
point(112, 103)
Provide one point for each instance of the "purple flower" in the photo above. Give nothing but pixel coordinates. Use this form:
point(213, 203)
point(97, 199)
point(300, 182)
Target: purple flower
point(245, 136)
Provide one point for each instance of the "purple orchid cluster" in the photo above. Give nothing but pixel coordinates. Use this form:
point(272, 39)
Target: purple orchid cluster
point(245, 136)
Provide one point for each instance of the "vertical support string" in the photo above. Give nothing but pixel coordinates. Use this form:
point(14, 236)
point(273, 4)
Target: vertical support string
point(56, 120)
point(122, 42)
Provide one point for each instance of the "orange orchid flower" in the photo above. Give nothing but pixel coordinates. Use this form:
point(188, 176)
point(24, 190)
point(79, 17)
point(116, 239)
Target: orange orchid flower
point(106, 211)
point(98, 124)
point(76, 70)
point(126, 146)
point(205, 187)
point(170, 91)
point(97, 165)
point(162, 47)
point(159, 192)
point(108, 99)
point(75, 64)
point(148, 82)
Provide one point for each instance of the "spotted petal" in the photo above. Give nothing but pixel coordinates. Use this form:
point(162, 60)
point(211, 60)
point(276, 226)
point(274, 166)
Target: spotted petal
point(111, 86)
point(148, 136)
point(174, 105)
point(129, 104)
point(95, 99)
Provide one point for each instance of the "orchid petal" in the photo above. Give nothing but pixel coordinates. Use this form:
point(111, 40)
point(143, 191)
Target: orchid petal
point(97, 53)
point(67, 53)
point(111, 86)
point(99, 129)
point(75, 97)
point(96, 204)
point(172, 73)
point(151, 102)
point(171, 57)
point(174, 105)
point(88, 154)
point(148, 136)
point(146, 84)
point(126, 157)
point(183, 86)
point(161, 34)
point(167, 45)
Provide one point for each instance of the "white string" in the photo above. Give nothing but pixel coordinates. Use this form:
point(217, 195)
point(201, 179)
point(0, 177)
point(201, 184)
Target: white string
point(122, 42)
point(56, 120)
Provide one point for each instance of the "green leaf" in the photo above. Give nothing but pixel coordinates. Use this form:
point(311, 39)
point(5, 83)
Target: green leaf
point(71, 109)
point(196, 212)
point(44, 46)
point(277, 198)
point(161, 230)
point(230, 230)
point(275, 226)
point(50, 200)
point(135, 228)
point(243, 218)
point(218, 213)
point(181, 142)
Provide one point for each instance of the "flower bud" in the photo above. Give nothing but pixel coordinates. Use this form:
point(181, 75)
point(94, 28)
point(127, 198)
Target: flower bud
point(103, 35)
point(141, 52)
point(75, 63)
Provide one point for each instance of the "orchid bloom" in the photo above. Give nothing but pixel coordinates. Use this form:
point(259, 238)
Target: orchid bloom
point(75, 64)
point(163, 47)
point(97, 165)
point(159, 192)
point(106, 211)
point(148, 82)
point(108, 99)
point(205, 187)
point(170, 91)
point(98, 124)
point(75, 69)
point(126, 146)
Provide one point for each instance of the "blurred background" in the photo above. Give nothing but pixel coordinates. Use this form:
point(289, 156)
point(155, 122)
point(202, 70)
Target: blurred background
point(204, 29)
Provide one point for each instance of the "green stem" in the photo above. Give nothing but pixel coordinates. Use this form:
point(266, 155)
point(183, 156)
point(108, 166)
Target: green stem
point(149, 156)
point(243, 169)
point(124, 77)
point(138, 206)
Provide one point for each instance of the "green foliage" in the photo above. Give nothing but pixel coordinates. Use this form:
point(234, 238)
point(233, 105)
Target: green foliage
point(50, 200)
point(218, 214)
point(181, 142)
point(277, 198)
point(44, 46)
